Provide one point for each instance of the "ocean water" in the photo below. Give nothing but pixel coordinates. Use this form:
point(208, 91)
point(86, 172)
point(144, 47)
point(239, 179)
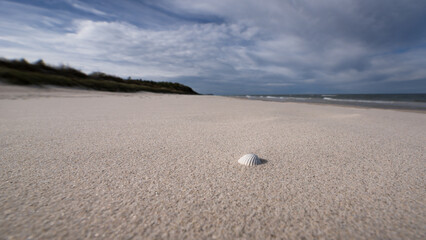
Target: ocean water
point(389, 101)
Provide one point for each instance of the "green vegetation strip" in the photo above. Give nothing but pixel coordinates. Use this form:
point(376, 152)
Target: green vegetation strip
point(23, 73)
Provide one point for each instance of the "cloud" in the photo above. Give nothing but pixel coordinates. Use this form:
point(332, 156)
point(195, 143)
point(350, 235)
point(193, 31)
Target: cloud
point(279, 84)
point(81, 6)
point(230, 47)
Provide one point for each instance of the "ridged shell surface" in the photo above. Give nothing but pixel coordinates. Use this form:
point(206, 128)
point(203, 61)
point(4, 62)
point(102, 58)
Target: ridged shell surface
point(249, 160)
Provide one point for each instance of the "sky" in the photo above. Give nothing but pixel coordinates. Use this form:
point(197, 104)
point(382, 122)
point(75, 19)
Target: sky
point(229, 46)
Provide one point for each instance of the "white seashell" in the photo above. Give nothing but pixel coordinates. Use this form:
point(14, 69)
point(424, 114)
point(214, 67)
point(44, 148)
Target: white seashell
point(249, 160)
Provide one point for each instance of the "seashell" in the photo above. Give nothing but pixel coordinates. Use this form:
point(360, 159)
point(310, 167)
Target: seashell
point(249, 160)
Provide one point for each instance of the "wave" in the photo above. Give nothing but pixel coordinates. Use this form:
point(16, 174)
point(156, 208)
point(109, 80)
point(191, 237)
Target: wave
point(288, 98)
point(297, 98)
point(357, 101)
point(279, 98)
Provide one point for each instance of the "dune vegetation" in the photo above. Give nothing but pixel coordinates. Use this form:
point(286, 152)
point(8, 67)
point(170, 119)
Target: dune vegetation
point(21, 72)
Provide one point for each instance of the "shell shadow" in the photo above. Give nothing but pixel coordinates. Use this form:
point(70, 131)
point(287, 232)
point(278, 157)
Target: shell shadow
point(263, 161)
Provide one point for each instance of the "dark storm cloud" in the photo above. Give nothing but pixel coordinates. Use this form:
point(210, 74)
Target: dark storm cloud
point(227, 47)
point(391, 23)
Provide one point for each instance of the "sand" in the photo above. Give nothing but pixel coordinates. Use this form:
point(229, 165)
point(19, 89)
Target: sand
point(77, 164)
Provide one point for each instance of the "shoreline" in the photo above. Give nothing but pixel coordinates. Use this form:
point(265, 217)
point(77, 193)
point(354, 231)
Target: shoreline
point(420, 109)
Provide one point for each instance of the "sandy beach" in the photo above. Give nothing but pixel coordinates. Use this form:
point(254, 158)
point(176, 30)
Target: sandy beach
point(77, 164)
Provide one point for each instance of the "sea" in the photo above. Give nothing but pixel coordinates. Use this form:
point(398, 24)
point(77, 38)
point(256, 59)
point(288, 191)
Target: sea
point(386, 101)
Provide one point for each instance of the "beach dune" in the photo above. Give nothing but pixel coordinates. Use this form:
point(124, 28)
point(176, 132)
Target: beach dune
point(78, 164)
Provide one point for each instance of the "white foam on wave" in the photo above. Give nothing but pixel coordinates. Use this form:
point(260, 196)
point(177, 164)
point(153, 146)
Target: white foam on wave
point(296, 98)
point(357, 101)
